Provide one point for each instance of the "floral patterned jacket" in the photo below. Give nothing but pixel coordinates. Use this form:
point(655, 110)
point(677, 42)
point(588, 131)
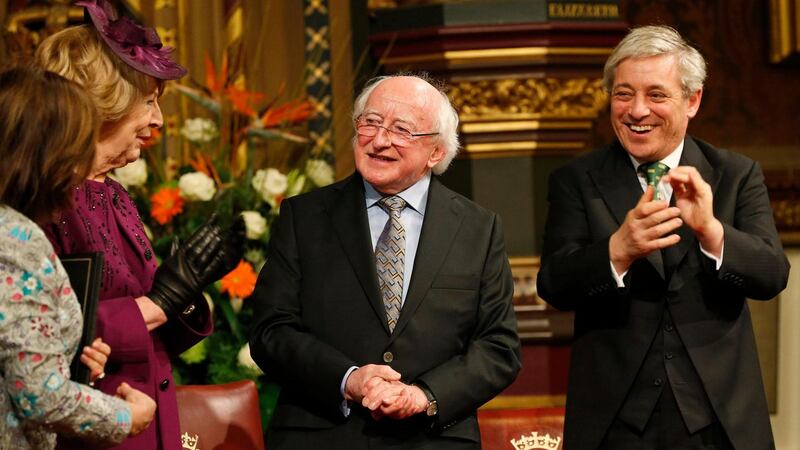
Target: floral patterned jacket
point(40, 327)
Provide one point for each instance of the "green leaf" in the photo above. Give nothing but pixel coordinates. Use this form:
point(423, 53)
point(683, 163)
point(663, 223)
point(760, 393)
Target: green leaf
point(230, 316)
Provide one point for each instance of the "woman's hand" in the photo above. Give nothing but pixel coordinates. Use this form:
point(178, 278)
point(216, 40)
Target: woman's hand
point(95, 357)
point(153, 315)
point(143, 408)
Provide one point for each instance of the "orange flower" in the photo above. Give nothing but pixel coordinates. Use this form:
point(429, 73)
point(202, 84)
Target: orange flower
point(293, 112)
point(202, 163)
point(214, 81)
point(240, 282)
point(243, 100)
point(166, 204)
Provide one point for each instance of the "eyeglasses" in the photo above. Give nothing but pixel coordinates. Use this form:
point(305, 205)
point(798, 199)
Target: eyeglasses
point(398, 134)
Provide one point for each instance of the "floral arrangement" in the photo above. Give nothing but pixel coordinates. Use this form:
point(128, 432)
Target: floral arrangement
point(216, 174)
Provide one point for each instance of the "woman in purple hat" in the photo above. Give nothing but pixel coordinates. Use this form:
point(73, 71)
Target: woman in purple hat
point(40, 318)
point(147, 314)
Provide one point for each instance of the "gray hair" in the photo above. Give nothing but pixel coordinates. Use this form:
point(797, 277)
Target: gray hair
point(658, 40)
point(446, 118)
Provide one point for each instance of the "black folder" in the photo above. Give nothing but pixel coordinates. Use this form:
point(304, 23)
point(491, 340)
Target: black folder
point(85, 271)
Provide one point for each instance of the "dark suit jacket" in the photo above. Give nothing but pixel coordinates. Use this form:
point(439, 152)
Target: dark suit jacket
point(589, 199)
point(319, 312)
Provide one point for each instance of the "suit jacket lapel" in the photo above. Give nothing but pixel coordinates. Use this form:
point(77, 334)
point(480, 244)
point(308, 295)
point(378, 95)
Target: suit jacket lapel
point(439, 229)
point(620, 189)
point(348, 212)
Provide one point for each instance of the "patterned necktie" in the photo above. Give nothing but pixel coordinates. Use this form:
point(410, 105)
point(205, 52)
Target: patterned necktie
point(653, 171)
point(389, 258)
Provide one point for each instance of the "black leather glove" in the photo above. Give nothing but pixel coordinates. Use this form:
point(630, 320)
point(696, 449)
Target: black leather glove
point(209, 254)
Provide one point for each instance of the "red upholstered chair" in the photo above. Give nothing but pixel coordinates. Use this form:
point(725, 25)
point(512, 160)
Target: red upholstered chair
point(220, 417)
point(518, 429)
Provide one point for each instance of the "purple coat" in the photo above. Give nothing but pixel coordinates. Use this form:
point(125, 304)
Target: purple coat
point(105, 219)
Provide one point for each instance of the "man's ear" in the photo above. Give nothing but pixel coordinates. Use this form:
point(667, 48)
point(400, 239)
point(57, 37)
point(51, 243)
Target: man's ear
point(436, 156)
point(694, 103)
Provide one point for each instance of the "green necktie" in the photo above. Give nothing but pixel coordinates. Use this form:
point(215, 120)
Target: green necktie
point(653, 171)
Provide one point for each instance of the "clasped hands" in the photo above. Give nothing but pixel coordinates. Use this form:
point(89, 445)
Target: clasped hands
point(379, 389)
point(649, 226)
point(142, 407)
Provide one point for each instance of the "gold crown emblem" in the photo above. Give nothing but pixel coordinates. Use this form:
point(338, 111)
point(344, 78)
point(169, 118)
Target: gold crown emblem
point(535, 441)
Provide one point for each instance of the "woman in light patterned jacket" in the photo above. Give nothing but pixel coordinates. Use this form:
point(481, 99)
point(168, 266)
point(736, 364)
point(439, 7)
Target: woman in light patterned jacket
point(46, 125)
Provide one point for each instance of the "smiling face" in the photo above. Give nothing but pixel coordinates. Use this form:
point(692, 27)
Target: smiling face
point(649, 111)
point(408, 103)
point(121, 142)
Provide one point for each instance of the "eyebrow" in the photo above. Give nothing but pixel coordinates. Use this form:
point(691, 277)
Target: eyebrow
point(396, 120)
point(651, 87)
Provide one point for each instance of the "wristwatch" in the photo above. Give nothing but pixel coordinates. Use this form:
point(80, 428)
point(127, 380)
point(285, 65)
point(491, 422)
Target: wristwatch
point(433, 407)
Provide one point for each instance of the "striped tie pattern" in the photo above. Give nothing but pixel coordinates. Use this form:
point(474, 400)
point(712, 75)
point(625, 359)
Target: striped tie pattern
point(653, 171)
point(389, 258)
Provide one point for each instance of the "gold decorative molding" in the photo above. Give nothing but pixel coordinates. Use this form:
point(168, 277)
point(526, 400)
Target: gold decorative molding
point(784, 30)
point(524, 125)
point(525, 98)
point(498, 56)
point(521, 148)
point(525, 401)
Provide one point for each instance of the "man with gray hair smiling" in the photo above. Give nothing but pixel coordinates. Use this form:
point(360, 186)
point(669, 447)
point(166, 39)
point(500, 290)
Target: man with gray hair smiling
point(655, 242)
point(384, 309)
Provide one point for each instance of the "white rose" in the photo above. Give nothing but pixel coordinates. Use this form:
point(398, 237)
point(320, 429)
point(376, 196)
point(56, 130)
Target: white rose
point(199, 130)
point(246, 360)
point(271, 184)
point(197, 186)
point(255, 224)
point(320, 172)
point(132, 174)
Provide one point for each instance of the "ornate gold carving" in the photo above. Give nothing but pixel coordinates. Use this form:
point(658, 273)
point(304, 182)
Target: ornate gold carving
point(787, 213)
point(26, 27)
point(528, 98)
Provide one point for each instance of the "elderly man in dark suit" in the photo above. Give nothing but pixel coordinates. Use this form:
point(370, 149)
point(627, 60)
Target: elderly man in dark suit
point(384, 309)
point(655, 242)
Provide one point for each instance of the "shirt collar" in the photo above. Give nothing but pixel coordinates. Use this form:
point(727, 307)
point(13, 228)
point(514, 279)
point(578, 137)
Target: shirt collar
point(672, 160)
point(416, 195)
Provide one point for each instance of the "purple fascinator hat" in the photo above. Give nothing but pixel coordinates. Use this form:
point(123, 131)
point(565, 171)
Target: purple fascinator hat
point(138, 46)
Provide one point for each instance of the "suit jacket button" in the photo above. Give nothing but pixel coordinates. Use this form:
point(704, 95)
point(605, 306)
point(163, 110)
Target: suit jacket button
point(658, 382)
point(164, 384)
point(388, 357)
